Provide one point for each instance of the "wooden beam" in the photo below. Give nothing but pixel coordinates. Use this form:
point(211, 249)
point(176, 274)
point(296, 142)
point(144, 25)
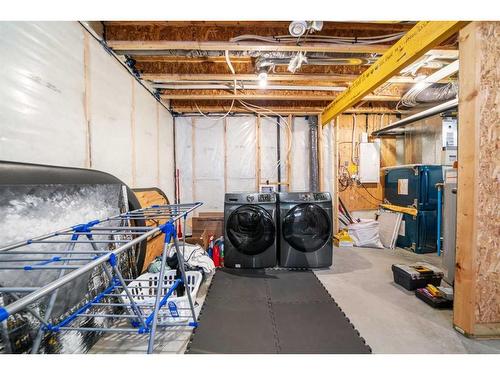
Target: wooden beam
point(415, 43)
point(257, 96)
point(322, 78)
point(149, 47)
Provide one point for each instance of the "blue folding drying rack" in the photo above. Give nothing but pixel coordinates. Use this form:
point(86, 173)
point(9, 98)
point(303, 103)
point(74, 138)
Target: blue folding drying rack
point(119, 232)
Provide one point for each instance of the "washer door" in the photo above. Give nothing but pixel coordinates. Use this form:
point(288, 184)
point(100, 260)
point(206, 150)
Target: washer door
point(250, 229)
point(307, 227)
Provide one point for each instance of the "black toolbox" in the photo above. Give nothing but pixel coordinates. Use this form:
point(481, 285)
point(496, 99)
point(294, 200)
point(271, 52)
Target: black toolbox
point(416, 275)
point(436, 302)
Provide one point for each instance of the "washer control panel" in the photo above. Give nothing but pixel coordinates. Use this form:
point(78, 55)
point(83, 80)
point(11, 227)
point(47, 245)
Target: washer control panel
point(264, 198)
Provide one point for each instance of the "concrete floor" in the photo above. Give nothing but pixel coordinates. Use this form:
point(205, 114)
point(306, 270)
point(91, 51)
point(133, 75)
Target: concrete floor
point(390, 318)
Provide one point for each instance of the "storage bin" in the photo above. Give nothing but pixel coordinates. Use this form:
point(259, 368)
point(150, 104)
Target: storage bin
point(143, 290)
point(410, 278)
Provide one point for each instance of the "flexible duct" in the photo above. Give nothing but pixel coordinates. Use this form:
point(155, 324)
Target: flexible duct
point(313, 153)
point(430, 93)
point(438, 92)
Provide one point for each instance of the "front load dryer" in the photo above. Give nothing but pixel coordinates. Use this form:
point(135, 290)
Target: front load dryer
point(305, 230)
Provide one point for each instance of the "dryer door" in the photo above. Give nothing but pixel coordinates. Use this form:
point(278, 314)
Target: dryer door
point(307, 227)
point(250, 229)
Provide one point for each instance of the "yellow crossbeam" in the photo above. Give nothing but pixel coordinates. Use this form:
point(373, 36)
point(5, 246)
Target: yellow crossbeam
point(415, 43)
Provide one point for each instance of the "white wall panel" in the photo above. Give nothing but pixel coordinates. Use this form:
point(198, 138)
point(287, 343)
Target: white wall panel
point(166, 141)
point(110, 115)
point(42, 105)
point(327, 158)
point(268, 150)
point(41, 93)
point(300, 155)
point(184, 157)
point(209, 163)
point(285, 133)
point(240, 153)
point(146, 141)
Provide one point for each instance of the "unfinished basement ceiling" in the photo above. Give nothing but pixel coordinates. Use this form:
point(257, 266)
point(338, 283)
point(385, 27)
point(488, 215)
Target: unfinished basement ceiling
point(187, 63)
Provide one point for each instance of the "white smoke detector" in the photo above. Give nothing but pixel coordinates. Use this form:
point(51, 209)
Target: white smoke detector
point(297, 28)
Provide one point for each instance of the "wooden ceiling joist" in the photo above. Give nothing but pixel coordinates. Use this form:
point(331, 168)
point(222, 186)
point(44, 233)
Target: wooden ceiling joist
point(226, 30)
point(296, 110)
point(327, 79)
point(274, 95)
point(138, 47)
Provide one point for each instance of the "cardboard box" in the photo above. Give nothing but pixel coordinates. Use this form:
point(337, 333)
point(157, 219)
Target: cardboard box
point(214, 225)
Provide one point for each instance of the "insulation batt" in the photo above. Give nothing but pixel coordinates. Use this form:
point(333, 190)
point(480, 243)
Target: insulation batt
point(28, 211)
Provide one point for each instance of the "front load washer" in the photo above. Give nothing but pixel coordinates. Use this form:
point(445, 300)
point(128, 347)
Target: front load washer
point(250, 233)
point(305, 230)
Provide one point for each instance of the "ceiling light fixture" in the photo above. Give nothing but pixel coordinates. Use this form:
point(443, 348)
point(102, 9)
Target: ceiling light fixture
point(262, 79)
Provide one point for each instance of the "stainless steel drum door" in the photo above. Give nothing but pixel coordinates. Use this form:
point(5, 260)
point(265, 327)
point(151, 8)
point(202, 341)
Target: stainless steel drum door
point(307, 227)
point(250, 229)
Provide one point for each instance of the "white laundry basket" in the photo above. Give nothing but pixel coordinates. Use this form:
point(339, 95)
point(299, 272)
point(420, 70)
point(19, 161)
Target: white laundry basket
point(143, 290)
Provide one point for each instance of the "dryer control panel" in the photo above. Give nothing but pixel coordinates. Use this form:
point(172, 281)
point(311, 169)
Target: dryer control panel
point(306, 197)
point(321, 196)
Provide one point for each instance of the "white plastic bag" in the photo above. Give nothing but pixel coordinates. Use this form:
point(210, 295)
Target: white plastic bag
point(365, 233)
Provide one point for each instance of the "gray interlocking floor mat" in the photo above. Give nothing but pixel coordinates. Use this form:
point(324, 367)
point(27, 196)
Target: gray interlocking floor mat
point(272, 311)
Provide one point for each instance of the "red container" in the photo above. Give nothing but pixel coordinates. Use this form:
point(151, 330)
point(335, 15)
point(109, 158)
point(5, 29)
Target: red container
point(216, 256)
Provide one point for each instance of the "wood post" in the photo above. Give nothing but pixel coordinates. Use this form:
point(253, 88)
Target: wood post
point(158, 144)
point(87, 99)
point(477, 277)
point(334, 133)
point(289, 136)
point(257, 154)
point(193, 159)
point(225, 154)
point(132, 131)
point(320, 155)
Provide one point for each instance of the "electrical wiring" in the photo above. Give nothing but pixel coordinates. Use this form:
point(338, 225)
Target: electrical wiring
point(363, 186)
point(231, 68)
point(321, 38)
point(365, 198)
point(258, 110)
point(344, 178)
point(215, 118)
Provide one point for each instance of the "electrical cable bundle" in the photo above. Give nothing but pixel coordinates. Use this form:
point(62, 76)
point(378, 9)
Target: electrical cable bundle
point(321, 39)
